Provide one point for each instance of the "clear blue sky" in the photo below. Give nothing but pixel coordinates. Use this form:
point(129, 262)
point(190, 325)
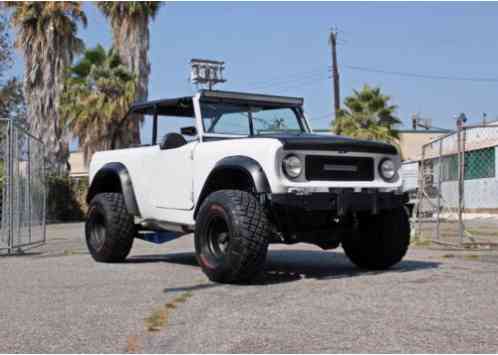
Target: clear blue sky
point(282, 48)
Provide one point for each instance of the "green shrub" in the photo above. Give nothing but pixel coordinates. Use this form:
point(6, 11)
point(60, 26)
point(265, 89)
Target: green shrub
point(66, 198)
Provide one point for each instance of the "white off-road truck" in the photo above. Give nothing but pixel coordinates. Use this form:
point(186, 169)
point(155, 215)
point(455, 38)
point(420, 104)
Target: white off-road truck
point(248, 171)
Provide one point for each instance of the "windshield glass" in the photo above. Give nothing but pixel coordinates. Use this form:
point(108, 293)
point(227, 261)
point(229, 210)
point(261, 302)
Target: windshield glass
point(249, 120)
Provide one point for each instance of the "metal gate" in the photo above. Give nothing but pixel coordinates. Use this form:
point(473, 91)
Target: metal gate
point(458, 188)
point(22, 188)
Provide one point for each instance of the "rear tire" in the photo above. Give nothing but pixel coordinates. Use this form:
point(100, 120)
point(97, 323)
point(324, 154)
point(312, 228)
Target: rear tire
point(109, 228)
point(379, 241)
point(231, 236)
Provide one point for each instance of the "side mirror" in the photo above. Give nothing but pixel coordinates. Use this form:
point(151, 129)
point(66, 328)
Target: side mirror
point(188, 131)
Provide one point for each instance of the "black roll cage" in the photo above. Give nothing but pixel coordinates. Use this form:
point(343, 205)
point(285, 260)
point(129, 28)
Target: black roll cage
point(184, 107)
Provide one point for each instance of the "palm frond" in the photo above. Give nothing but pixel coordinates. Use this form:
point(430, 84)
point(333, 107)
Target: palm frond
point(95, 100)
point(367, 115)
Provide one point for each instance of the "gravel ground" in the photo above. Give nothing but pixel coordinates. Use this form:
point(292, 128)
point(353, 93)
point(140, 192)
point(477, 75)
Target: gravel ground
point(57, 299)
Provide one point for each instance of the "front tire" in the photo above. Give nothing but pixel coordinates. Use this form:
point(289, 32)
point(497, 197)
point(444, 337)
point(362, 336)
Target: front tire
point(379, 241)
point(109, 228)
point(231, 236)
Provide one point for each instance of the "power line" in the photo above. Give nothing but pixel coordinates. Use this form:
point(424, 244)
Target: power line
point(300, 83)
point(289, 81)
point(327, 116)
point(306, 78)
point(422, 76)
point(285, 81)
point(280, 79)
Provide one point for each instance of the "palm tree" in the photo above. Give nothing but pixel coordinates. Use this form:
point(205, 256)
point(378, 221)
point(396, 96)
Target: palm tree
point(98, 92)
point(367, 115)
point(130, 27)
point(46, 33)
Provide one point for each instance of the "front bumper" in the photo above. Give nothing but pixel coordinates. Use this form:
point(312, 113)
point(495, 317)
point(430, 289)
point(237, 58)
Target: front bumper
point(301, 216)
point(341, 201)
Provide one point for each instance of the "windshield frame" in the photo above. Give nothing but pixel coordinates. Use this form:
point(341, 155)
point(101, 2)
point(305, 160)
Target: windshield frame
point(297, 110)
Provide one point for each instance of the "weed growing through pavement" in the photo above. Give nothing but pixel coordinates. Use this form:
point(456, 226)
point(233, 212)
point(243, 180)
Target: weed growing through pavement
point(159, 318)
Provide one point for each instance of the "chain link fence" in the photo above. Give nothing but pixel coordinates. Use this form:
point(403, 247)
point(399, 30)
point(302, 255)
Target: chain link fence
point(457, 198)
point(22, 188)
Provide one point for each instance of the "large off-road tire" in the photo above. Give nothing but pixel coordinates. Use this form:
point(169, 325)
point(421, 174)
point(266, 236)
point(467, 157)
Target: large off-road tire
point(379, 241)
point(109, 228)
point(231, 236)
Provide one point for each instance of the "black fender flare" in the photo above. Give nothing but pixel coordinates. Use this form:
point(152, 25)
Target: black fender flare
point(250, 167)
point(114, 177)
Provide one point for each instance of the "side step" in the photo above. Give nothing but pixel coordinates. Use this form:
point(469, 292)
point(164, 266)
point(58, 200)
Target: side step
point(159, 237)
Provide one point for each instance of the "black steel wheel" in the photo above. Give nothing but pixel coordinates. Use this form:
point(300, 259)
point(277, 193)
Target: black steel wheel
point(218, 236)
point(96, 227)
point(231, 236)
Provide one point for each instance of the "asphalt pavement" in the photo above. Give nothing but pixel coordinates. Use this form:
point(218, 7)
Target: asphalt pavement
point(57, 299)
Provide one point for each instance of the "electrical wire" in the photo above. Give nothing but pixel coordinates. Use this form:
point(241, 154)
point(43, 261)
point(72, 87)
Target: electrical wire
point(326, 116)
point(422, 76)
point(303, 83)
point(290, 82)
point(283, 78)
point(307, 77)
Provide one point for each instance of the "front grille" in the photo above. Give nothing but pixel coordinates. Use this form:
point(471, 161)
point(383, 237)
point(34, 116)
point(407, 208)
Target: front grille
point(320, 167)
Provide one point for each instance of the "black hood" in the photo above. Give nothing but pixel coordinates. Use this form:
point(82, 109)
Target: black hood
point(308, 141)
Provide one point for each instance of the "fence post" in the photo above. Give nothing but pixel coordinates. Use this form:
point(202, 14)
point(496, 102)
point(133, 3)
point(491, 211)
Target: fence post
point(10, 187)
point(28, 147)
point(461, 163)
point(439, 192)
point(420, 194)
point(464, 143)
point(45, 193)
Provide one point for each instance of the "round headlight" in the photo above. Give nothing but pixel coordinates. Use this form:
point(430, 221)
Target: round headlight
point(387, 169)
point(292, 166)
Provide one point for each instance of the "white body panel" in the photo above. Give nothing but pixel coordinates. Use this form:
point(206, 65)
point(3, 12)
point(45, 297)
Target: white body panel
point(167, 183)
point(172, 176)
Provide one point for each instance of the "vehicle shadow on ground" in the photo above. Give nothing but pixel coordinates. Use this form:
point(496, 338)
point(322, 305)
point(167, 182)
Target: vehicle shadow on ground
point(290, 265)
point(293, 265)
point(24, 254)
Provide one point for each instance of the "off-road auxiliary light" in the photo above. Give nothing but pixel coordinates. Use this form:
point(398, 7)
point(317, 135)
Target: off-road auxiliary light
point(292, 166)
point(207, 72)
point(387, 169)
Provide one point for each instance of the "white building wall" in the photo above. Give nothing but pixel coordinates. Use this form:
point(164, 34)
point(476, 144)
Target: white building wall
point(409, 174)
point(478, 193)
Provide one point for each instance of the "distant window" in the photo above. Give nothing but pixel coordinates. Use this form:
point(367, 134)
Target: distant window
point(449, 168)
point(480, 164)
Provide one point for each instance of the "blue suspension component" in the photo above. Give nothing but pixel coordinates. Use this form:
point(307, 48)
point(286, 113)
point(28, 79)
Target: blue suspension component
point(159, 237)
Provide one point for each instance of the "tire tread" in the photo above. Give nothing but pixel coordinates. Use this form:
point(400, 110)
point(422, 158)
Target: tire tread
point(253, 232)
point(120, 228)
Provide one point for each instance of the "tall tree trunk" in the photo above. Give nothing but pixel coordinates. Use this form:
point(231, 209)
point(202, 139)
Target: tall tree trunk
point(43, 83)
point(131, 39)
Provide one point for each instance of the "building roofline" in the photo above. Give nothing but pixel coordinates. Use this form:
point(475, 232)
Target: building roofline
point(438, 130)
point(441, 130)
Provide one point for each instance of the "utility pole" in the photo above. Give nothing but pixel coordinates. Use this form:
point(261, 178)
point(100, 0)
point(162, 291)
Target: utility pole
point(335, 70)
